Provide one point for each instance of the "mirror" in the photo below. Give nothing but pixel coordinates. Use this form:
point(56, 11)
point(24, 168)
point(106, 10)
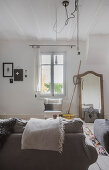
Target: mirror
point(91, 103)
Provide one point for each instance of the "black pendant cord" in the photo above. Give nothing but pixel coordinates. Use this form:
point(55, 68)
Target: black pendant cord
point(65, 4)
point(68, 18)
point(78, 49)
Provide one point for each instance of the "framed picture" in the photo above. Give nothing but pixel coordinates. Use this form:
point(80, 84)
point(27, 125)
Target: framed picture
point(18, 74)
point(7, 69)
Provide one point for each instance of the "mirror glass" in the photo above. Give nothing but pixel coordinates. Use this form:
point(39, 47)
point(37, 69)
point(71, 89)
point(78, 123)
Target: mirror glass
point(90, 97)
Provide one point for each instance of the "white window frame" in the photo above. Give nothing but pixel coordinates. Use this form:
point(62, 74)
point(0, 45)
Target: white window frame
point(52, 69)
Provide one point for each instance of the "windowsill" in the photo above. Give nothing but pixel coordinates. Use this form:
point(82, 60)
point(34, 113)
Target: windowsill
point(41, 97)
point(50, 96)
point(52, 111)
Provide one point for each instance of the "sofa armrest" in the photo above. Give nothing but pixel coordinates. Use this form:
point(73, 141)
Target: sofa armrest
point(75, 145)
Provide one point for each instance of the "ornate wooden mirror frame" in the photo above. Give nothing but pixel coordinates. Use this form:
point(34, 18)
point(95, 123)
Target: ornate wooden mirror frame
point(80, 96)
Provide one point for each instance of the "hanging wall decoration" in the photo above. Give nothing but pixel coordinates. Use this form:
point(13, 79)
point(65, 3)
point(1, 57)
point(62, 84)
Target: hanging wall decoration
point(7, 69)
point(18, 74)
point(11, 80)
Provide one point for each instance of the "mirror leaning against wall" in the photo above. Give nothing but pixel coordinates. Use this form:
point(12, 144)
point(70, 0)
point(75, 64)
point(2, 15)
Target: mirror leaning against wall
point(91, 100)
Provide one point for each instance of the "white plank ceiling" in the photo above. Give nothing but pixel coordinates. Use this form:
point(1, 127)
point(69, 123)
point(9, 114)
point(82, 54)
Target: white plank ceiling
point(34, 19)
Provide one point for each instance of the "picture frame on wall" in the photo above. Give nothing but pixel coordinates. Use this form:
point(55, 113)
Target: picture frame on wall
point(18, 74)
point(7, 69)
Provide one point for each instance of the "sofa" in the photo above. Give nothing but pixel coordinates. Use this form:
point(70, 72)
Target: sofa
point(101, 132)
point(76, 155)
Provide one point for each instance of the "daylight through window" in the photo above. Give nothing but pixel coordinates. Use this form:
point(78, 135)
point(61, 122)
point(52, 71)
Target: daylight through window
point(52, 74)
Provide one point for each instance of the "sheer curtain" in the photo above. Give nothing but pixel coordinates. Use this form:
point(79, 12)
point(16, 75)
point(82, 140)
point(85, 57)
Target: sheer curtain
point(37, 72)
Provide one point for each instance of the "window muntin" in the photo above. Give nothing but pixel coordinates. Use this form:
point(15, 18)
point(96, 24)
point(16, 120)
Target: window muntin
point(58, 59)
point(52, 74)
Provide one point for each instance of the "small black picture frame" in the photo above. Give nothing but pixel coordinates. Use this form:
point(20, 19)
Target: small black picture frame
point(7, 69)
point(11, 80)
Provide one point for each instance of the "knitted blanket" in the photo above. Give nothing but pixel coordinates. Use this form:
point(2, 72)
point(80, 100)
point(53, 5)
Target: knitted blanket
point(43, 134)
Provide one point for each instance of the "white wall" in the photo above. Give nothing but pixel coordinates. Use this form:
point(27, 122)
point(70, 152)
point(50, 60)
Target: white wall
point(19, 97)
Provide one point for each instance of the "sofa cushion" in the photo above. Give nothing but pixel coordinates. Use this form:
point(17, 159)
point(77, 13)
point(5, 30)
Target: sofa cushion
point(19, 126)
point(6, 127)
point(73, 126)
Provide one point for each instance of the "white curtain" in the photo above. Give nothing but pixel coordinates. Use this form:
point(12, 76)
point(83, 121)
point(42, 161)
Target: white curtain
point(37, 72)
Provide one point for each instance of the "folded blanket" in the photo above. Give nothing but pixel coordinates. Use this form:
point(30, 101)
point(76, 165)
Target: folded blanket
point(43, 134)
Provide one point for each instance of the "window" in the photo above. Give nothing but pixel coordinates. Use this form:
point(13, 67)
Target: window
point(52, 74)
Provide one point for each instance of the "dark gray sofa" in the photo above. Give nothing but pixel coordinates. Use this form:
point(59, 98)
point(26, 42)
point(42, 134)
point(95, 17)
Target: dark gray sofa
point(76, 155)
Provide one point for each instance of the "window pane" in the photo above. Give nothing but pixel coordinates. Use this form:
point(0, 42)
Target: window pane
point(45, 83)
point(58, 79)
point(46, 59)
point(58, 59)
